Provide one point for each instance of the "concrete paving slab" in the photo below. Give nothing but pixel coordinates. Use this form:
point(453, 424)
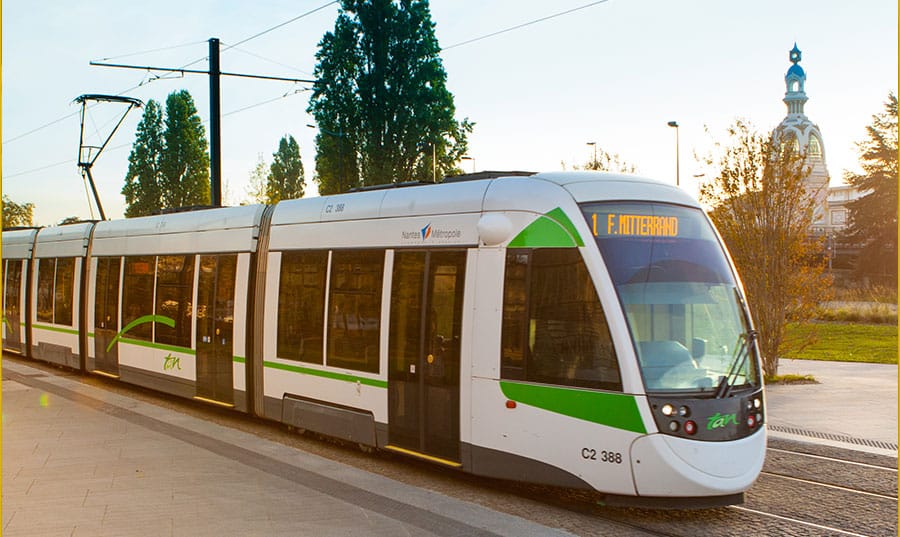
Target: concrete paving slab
point(854, 405)
point(138, 469)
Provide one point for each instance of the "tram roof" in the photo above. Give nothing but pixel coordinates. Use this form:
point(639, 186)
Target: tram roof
point(18, 243)
point(498, 192)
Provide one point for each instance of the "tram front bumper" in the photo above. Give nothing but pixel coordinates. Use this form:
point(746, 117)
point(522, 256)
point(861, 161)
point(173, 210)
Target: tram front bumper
point(668, 466)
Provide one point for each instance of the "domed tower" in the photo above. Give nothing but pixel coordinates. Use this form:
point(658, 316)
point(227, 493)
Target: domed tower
point(796, 128)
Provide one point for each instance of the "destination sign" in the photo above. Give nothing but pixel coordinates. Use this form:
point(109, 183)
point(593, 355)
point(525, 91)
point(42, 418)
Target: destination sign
point(633, 225)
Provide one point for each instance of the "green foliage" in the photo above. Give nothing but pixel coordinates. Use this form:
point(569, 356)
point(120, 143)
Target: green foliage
point(185, 160)
point(169, 164)
point(873, 217)
point(285, 179)
point(843, 342)
point(604, 162)
point(791, 378)
point(15, 214)
point(858, 312)
point(141, 190)
point(763, 211)
point(257, 186)
point(381, 101)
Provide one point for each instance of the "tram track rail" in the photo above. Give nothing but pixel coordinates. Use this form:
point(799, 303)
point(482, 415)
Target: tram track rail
point(827, 485)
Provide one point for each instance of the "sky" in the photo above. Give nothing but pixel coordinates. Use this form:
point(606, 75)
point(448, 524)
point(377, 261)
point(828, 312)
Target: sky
point(614, 73)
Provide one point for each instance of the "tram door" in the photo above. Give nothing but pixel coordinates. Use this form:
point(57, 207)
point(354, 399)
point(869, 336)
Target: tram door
point(215, 328)
point(106, 316)
point(12, 317)
point(12, 320)
point(424, 374)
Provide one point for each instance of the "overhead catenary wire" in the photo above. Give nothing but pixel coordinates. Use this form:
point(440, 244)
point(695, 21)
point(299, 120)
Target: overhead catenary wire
point(523, 25)
point(122, 146)
point(185, 66)
point(150, 51)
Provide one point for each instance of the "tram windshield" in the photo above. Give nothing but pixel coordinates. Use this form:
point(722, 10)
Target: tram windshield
point(678, 293)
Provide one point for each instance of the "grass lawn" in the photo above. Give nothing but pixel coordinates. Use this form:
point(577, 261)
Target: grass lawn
point(847, 342)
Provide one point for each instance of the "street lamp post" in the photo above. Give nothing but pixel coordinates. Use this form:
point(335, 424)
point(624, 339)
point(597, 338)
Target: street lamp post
point(677, 154)
point(594, 162)
point(340, 136)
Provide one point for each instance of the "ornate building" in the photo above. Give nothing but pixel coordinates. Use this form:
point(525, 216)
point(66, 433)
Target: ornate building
point(796, 128)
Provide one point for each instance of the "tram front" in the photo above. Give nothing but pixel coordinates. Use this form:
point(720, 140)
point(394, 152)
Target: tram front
point(695, 348)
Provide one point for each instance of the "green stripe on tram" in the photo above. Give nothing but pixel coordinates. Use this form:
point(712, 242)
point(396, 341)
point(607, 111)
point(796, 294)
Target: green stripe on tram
point(551, 230)
point(611, 409)
point(159, 346)
point(326, 374)
point(55, 329)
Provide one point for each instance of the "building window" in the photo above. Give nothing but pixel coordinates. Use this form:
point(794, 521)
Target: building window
point(354, 311)
point(301, 305)
point(838, 218)
point(554, 328)
point(815, 147)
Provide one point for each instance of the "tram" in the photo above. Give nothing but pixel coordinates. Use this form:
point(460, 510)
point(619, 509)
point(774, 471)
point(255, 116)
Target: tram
point(580, 329)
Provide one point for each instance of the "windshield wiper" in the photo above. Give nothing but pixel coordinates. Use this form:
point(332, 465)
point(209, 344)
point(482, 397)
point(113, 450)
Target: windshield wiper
point(741, 352)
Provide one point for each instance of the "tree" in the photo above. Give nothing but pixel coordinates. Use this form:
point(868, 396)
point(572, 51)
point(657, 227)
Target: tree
point(604, 162)
point(15, 214)
point(380, 99)
point(257, 187)
point(185, 161)
point(763, 211)
point(285, 180)
point(69, 220)
point(873, 217)
point(142, 182)
point(169, 164)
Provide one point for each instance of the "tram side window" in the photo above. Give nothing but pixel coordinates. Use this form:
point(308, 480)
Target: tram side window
point(554, 328)
point(64, 294)
point(12, 279)
point(46, 277)
point(301, 305)
point(354, 313)
point(137, 295)
point(55, 297)
point(174, 290)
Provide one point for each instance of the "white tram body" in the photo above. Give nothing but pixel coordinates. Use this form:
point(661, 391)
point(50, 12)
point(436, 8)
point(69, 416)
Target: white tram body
point(18, 248)
point(56, 305)
point(576, 329)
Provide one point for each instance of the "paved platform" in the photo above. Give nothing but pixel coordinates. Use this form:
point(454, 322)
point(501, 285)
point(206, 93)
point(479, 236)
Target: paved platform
point(79, 461)
point(110, 465)
point(854, 405)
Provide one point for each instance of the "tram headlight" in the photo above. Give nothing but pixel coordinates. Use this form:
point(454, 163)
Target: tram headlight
point(751, 421)
point(684, 411)
point(673, 426)
point(757, 403)
point(668, 410)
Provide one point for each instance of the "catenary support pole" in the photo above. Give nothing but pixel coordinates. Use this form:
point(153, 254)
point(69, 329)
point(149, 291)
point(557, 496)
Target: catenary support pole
point(215, 130)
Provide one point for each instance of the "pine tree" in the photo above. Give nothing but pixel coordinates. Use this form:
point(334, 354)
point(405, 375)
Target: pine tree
point(873, 217)
point(381, 101)
point(142, 188)
point(285, 180)
point(185, 161)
